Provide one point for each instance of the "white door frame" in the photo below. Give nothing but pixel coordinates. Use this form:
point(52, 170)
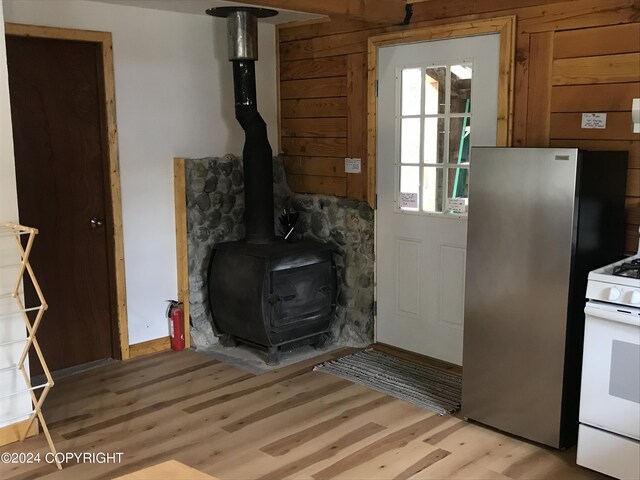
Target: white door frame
point(504, 26)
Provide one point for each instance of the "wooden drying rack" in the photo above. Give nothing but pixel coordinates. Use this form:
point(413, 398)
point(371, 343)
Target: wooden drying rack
point(18, 231)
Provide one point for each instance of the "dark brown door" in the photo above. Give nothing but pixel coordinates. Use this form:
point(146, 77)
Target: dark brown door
point(57, 94)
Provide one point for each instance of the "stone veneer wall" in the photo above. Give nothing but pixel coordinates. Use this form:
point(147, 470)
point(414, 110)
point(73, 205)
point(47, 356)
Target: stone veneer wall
point(215, 213)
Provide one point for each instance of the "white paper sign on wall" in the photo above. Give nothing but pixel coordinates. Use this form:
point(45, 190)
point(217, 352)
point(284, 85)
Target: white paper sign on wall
point(594, 120)
point(408, 200)
point(457, 204)
point(352, 165)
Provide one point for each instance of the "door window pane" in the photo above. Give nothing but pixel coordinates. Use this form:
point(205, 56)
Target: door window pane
point(411, 91)
point(409, 198)
point(459, 140)
point(458, 190)
point(435, 88)
point(433, 143)
point(461, 88)
point(435, 138)
point(432, 182)
point(410, 140)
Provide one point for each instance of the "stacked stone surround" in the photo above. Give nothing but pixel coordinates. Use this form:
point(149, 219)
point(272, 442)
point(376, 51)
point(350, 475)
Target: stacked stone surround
point(215, 213)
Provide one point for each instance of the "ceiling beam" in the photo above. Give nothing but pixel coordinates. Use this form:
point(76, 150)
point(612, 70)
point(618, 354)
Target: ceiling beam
point(387, 12)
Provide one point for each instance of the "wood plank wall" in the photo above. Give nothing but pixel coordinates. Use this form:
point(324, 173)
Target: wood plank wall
point(598, 70)
point(573, 56)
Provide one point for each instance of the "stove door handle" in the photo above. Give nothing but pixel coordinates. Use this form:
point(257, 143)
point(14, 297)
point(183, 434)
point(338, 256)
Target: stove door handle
point(325, 289)
point(273, 298)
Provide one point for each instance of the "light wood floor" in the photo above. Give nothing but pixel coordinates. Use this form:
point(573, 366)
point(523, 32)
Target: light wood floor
point(291, 423)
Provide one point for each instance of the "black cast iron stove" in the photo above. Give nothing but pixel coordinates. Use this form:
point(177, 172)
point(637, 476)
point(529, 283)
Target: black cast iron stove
point(263, 290)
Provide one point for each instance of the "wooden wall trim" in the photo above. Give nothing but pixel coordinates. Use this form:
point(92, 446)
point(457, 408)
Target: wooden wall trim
point(13, 433)
point(152, 346)
point(105, 40)
point(356, 123)
point(180, 199)
point(116, 198)
point(539, 107)
point(521, 90)
point(504, 26)
point(39, 31)
point(506, 78)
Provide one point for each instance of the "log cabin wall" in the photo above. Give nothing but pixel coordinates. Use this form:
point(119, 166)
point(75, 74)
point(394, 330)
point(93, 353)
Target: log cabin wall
point(572, 57)
point(598, 70)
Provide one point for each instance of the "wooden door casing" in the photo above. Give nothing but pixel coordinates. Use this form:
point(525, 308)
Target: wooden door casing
point(57, 97)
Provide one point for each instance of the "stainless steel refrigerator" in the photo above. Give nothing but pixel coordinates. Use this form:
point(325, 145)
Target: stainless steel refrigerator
point(539, 221)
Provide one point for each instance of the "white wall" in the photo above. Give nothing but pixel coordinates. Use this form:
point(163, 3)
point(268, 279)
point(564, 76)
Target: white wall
point(11, 328)
point(174, 97)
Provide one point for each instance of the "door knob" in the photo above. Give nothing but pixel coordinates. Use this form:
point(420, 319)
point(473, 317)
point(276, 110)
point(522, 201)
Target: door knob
point(96, 223)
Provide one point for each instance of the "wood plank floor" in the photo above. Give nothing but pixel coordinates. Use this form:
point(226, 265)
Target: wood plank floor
point(290, 423)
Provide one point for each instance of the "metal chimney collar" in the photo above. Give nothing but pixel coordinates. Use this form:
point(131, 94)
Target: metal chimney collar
point(242, 29)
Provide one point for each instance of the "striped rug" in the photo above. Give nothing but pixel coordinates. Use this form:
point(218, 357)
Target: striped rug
point(421, 385)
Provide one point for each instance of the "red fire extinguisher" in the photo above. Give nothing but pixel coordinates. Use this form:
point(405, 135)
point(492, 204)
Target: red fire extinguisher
point(176, 325)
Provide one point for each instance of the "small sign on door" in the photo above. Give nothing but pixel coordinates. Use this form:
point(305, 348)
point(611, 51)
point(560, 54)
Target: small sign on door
point(594, 120)
point(409, 200)
point(458, 205)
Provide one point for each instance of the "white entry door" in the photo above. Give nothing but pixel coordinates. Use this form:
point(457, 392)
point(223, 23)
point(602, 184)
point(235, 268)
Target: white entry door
point(436, 99)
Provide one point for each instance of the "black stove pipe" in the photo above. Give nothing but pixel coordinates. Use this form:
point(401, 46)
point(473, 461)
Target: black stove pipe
point(257, 153)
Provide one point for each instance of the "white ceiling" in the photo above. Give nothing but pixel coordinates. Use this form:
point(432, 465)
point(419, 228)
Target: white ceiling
point(198, 7)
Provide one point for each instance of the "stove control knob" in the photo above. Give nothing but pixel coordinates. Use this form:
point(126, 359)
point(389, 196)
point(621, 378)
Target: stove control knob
point(635, 297)
point(614, 294)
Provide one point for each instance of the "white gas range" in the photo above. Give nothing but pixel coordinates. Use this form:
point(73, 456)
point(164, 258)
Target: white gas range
point(609, 432)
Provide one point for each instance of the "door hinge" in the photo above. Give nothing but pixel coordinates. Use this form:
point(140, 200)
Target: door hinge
point(375, 308)
point(376, 88)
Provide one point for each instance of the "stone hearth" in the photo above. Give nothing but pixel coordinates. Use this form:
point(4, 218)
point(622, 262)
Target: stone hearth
point(215, 213)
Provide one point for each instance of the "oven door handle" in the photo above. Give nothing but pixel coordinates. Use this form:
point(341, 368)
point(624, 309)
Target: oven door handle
point(613, 315)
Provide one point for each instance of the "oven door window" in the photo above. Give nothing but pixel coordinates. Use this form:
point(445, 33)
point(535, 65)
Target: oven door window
point(624, 355)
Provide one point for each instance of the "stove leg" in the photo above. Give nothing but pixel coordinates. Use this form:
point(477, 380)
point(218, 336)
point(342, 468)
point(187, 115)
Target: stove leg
point(227, 340)
point(321, 344)
point(273, 357)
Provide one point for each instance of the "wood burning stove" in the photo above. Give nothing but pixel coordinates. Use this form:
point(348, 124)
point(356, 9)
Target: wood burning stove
point(272, 295)
point(263, 290)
